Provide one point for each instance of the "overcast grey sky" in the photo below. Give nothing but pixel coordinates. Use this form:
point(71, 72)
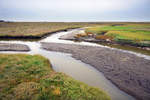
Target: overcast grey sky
point(75, 10)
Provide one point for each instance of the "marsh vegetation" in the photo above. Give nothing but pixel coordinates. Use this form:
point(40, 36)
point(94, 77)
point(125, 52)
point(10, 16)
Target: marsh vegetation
point(37, 29)
point(130, 34)
point(31, 77)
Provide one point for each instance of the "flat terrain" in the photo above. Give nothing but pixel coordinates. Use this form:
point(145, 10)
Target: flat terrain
point(36, 28)
point(30, 30)
point(13, 47)
point(31, 77)
point(129, 72)
point(131, 34)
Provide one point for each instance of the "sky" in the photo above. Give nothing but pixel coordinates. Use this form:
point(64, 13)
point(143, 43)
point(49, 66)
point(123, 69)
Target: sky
point(75, 10)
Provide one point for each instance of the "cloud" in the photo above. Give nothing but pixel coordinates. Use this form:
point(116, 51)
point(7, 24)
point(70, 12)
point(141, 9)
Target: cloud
point(72, 8)
point(74, 5)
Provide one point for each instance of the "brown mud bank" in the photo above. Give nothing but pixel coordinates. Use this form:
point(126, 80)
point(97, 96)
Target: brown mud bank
point(93, 39)
point(13, 47)
point(127, 71)
point(33, 37)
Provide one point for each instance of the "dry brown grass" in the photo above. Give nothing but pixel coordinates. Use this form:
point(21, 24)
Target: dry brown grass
point(104, 37)
point(36, 28)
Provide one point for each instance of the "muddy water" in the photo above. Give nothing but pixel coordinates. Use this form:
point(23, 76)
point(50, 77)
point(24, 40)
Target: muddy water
point(63, 62)
point(132, 50)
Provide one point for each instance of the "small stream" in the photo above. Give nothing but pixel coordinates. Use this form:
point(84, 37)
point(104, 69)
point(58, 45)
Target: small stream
point(63, 62)
point(132, 50)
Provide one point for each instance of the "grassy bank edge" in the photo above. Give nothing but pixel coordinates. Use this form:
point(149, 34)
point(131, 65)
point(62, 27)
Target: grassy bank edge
point(124, 35)
point(31, 77)
point(33, 37)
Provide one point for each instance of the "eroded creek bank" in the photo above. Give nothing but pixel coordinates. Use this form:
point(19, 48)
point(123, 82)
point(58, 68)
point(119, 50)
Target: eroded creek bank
point(123, 68)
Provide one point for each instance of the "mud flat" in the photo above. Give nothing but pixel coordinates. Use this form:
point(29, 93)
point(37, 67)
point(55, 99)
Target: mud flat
point(73, 37)
point(13, 47)
point(127, 71)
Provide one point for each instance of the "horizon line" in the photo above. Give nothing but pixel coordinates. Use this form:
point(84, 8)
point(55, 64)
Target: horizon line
point(74, 21)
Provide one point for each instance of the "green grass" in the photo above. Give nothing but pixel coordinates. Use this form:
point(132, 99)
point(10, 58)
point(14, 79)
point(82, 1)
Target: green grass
point(133, 33)
point(99, 29)
point(30, 77)
point(130, 35)
point(140, 26)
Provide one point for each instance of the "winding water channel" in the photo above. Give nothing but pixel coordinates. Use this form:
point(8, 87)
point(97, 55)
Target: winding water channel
point(63, 62)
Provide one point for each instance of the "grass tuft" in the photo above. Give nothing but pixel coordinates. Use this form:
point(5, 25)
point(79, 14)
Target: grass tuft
point(30, 77)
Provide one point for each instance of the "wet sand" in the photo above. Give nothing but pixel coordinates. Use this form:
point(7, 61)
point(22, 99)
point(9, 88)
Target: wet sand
point(127, 71)
point(13, 47)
